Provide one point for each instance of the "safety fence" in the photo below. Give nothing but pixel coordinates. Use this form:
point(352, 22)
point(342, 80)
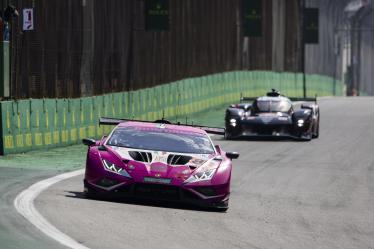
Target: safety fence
point(44, 123)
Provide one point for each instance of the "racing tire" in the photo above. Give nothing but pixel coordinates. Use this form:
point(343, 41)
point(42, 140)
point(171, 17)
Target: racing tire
point(316, 135)
point(90, 193)
point(227, 135)
point(222, 210)
point(222, 206)
point(306, 138)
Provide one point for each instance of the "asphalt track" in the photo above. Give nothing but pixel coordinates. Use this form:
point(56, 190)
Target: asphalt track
point(15, 231)
point(285, 194)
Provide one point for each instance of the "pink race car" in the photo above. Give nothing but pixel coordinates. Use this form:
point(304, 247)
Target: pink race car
point(159, 161)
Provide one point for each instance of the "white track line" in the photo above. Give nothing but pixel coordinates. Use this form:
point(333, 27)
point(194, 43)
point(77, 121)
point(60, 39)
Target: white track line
point(24, 203)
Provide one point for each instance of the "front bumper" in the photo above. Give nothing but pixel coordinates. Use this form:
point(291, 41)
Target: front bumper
point(268, 131)
point(301, 137)
point(204, 196)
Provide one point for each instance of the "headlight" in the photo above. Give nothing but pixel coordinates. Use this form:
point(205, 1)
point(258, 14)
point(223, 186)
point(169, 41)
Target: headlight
point(233, 122)
point(300, 122)
point(109, 166)
point(204, 173)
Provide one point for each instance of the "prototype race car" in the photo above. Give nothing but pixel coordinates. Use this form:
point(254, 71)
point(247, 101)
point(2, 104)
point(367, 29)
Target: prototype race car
point(273, 115)
point(159, 161)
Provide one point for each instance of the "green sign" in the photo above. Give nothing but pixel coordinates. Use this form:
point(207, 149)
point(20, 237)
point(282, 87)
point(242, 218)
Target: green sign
point(157, 14)
point(252, 18)
point(311, 25)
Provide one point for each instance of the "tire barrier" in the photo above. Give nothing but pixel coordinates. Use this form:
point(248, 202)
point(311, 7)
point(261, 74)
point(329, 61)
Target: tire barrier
point(45, 123)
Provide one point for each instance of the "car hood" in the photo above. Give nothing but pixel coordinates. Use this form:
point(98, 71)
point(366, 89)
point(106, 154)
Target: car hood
point(160, 164)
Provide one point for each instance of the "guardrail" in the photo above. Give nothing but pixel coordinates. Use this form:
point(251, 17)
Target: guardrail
point(44, 123)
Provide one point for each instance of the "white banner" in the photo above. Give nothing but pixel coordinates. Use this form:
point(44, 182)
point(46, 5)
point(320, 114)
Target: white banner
point(28, 19)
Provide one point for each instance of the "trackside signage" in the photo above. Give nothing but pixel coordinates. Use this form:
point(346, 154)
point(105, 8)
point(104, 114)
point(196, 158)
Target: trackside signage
point(28, 19)
point(311, 25)
point(252, 18)
point(157, 15)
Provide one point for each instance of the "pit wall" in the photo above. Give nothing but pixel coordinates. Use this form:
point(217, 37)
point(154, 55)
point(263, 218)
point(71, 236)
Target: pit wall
point(45, 123)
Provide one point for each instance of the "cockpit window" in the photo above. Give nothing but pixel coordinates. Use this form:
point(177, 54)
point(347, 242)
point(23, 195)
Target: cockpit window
point(272, 106)
point(161, 140)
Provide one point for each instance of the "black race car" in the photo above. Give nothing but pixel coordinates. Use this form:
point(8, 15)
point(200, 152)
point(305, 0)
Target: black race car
point(273, 115)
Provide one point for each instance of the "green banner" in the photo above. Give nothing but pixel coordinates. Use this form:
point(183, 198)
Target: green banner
point(157, 15)
point(311, 23)
point(252, 18)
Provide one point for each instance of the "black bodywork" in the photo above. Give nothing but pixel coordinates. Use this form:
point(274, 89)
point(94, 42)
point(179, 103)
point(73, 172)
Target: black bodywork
point(271, 116)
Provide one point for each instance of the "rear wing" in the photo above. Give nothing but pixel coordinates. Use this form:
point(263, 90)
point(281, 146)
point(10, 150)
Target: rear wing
point(247, 99)
point(301, 99)
point(304, 99)
point(116, 121)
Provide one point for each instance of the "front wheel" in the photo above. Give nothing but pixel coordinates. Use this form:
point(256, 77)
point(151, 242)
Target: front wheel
point(316, 135)
point(227, 135)
point(222, 209)
point(222, 206)
point(306, 137)
point(89, 193)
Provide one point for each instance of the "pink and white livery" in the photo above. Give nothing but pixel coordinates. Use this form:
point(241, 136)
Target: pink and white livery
point(160, 161)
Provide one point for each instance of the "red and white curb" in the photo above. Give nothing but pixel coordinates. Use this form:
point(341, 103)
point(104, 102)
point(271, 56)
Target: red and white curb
point(24, 204)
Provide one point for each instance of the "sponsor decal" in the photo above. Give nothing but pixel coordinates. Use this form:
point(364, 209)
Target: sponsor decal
point(283, 118)
point(160, 158)
point(159, 167)
point(161, 126)
point(205, 156)
point(196, 161)
point(267, 120)
point(186, 171)
point(157, 180)
point(267, 115)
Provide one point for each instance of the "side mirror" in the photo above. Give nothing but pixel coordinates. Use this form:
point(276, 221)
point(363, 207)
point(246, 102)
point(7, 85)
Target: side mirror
point(101, 148)
point(88, 141)
point(218, 148)
point(232, 155)
point(247, 107)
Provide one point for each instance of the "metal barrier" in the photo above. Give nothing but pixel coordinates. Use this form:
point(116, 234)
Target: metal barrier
point(44, 123)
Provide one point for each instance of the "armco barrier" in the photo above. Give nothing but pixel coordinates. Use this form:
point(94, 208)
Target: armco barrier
point(44, 123)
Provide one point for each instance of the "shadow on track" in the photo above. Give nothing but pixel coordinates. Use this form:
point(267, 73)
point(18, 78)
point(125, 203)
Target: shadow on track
point(144, 202)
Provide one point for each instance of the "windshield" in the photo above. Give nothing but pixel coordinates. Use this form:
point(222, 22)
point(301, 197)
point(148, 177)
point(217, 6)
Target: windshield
point(272, 106)
point(161, 140)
